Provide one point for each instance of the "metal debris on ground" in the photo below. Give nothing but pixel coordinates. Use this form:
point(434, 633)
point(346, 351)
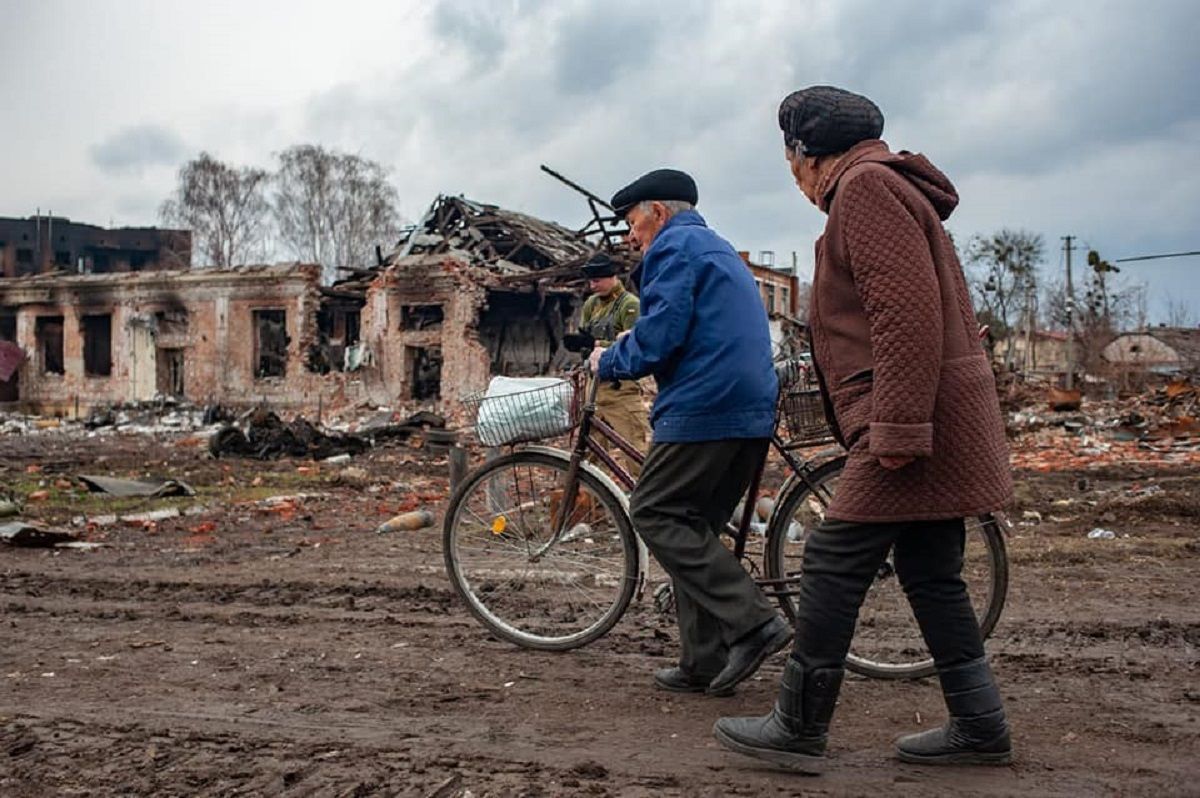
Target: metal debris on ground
point(407, 522)
point(20, 533)
point(136, 487)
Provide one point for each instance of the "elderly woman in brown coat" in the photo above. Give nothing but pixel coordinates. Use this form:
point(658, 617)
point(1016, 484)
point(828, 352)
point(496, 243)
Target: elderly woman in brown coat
point(913, 400)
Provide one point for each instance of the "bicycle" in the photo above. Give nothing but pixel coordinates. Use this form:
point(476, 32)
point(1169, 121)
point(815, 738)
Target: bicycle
point(574, 563)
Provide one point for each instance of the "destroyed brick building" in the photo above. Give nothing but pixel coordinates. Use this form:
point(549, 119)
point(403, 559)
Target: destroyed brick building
point(45, 244)
point(470, 291)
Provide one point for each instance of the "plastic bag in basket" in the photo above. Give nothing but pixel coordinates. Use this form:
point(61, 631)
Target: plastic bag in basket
point(523, 408)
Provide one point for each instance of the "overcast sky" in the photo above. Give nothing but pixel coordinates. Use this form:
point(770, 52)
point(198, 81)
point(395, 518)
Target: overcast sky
point(1070, 117)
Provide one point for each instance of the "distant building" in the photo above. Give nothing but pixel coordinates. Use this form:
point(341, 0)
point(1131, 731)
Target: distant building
point(45, 244)
point(1157, 350)
point(1036, 351)
point(779, 291)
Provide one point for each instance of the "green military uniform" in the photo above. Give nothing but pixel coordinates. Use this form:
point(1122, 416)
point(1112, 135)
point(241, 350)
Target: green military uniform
point(605, 318)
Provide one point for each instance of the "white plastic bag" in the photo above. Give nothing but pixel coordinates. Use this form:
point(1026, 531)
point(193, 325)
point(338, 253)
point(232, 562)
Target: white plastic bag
point(523, 408)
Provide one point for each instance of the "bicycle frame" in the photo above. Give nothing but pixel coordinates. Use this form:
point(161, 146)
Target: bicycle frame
point(586, 443)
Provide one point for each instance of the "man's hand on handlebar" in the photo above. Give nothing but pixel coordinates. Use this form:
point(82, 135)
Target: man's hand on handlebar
point(594, 359)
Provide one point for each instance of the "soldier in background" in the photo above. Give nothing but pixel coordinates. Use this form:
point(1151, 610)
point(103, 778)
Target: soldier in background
point(607, 314)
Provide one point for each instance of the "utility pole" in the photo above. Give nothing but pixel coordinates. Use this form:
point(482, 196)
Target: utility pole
point(1070, 382)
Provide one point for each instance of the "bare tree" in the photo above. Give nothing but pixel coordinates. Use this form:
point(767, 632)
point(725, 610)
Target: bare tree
point(333, 208)
point(225, 207)
point(1004, 280)
point(1178, 313)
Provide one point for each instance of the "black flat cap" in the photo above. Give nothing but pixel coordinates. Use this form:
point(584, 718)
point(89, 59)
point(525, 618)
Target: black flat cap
point(821, 120)
point(663, 185)
point(600, 265)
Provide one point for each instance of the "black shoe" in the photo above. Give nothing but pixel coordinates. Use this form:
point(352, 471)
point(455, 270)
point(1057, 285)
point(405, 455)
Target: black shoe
point(795, 732)
point(680, 681)
point(749, 652)
point(976, 734)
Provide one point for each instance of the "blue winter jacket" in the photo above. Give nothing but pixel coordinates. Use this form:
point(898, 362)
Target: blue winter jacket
point(703, 335)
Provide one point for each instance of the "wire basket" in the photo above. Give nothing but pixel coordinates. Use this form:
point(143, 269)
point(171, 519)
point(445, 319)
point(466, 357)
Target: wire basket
point(803, 415)
point(801, 408)
point(521, 416)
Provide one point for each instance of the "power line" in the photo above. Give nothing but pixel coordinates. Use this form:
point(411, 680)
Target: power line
point(1157, 257)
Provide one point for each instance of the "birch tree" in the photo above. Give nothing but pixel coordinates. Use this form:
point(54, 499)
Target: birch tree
point(333, 208)
point(226, 209)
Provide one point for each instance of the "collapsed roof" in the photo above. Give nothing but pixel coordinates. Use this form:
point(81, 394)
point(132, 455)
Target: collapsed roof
point(508, 247)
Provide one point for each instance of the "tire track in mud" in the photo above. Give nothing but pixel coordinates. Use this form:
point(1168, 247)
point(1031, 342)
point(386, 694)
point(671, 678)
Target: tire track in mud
point(261, 592)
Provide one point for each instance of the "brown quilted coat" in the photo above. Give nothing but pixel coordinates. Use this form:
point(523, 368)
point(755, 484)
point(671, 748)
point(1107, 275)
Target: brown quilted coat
point(896, 341)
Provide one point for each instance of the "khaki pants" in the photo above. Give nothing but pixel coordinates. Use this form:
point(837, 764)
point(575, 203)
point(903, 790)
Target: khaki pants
point(622, 409)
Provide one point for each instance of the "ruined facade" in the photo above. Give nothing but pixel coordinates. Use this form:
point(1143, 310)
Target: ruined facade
point(45, 244)
point(472, 291)
point(203, 335)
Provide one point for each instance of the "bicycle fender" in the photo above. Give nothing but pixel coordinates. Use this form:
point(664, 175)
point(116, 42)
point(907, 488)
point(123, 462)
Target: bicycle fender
point(610, 483)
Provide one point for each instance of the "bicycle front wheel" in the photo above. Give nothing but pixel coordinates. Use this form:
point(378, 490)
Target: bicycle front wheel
point(522, 583)
point(887, 641)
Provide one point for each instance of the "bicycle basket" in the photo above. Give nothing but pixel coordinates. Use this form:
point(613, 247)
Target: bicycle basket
point(800, 406)
point(517, 410)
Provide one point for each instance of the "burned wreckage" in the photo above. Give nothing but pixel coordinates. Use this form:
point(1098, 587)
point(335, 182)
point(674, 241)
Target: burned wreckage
point(469, 292)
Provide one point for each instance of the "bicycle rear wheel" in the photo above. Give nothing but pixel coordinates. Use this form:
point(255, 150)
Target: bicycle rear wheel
point(523, 586)
point(887, 642)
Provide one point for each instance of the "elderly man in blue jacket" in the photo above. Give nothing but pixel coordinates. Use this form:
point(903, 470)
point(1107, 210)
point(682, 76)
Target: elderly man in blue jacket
point(703, 336)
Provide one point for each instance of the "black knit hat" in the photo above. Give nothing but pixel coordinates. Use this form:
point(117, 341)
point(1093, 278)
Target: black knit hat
point(663, 185)
point(599, 265)
point(821, 120)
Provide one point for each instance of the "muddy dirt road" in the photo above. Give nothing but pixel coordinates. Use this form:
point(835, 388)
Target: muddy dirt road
point(286, 649)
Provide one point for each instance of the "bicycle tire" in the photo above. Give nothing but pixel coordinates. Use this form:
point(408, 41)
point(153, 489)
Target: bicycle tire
point(487, 600)
point(984, 536)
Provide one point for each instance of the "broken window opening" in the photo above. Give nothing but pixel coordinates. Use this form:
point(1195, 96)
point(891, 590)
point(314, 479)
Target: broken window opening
point(270, 343)
point(522, 332)
point(9, 389)
point(337, 331)
point(426, 373)
point(100, 264)
point(48, 332)
point(770, 299)
point(170, 372)
point(421, 317)
point(138, 261)
point(97, 345)
point(352, 320)
point(171, 322)
point(25, 262)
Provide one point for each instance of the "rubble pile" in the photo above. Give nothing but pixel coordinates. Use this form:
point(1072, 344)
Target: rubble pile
point(266, 437)
point(1157, 427)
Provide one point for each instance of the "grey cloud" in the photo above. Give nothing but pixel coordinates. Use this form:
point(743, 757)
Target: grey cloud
point(594, 47)
point(1031, 108)
point(134, 148)
point(476, 27)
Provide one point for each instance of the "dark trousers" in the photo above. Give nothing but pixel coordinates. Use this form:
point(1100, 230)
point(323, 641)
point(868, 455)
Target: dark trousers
point(685, 496)
point(842, 558)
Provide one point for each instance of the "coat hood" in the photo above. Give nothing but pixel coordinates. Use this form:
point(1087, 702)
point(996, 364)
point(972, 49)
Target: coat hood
point(916, 168)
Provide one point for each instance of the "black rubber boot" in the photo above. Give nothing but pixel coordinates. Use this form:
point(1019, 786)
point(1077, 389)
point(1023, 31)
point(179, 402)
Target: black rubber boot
point(795, 732)
point(976, 734)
